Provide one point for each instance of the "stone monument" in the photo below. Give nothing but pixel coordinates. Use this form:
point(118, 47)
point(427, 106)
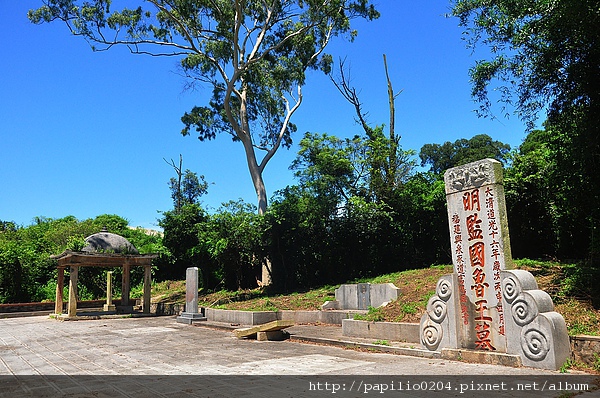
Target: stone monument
point(484, 305)
point(191, 314)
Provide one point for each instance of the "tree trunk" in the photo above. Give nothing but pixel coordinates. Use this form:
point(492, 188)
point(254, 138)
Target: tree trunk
point(261, 194)
point(243, 133)
point(256, 175)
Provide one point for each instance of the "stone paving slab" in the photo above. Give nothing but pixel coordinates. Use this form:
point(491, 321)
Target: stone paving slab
point(141, 357)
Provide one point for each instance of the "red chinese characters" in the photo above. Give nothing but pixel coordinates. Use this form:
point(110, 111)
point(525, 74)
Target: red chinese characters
point(471, 201)
point(473, 228)
point(477, 259)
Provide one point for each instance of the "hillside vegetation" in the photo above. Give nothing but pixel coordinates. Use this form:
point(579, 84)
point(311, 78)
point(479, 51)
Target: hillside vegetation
point(569, 285)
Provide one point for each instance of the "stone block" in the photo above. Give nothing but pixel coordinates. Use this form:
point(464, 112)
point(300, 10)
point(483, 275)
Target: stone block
point(276, 335)
point(331, 317)
point(394, 331)
point(347, 297)
point(109, 308)
point(240, 317)
point(191, 290)
point(383, 293)
point(124, 309)
point(331, 305)
point(361, 296)
point(190, 317)
point(191, 313)
point(486, 357)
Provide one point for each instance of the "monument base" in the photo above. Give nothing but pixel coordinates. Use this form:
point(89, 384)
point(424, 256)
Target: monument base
point(109, 308)
point(191, 317)
point(478, 356)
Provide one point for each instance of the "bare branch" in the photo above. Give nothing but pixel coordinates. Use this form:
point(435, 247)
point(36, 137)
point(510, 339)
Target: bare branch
point(351, 95)
point(178, 170)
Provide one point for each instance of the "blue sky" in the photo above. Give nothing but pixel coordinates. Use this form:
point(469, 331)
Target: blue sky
point(84, 133)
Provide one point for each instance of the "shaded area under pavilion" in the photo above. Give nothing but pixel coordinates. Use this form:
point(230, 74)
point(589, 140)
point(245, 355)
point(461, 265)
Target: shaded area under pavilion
point(107, 250)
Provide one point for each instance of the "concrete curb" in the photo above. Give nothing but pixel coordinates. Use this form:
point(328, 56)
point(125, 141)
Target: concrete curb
point(396, 331)
point(414, 352)
point(91, 316)
point(310, 336)
point(491, 358)
point(331, 317)
point(342, 343)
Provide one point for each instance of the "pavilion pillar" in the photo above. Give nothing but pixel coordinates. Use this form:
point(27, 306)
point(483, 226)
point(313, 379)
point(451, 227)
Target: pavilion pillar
point(147, 288)
point(73, 276)
point(125, 285)
point(109, 306)
point(60, 283)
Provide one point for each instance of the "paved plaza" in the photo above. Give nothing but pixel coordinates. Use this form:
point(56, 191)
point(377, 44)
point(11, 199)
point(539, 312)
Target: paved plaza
point(156, 356)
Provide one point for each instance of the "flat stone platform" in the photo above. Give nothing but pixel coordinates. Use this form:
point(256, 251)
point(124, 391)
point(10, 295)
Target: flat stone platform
point(157, 356)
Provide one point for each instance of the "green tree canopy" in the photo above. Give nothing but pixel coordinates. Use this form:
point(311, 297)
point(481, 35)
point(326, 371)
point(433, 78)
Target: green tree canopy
point(542, 53)
point(551, 200)
point(187, 188)
point(28, 274)
point(180, 237)
point(254, 54)
point(545, 55)
point(462, 151)
point(332, 167)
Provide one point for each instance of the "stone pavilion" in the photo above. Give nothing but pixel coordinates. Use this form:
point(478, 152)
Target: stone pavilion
point(108, 250)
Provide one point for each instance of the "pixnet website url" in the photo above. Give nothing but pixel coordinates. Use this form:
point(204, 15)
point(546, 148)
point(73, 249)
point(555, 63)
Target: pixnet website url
point(363, 387)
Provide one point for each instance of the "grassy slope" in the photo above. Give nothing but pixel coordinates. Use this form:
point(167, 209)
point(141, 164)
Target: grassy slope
point(569, 287)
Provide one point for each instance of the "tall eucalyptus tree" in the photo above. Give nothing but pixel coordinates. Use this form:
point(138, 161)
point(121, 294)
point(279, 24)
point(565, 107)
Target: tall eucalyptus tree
point(254, 54)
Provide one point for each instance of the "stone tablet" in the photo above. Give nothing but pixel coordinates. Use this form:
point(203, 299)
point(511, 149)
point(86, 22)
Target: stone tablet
point(191, 290)
point(191, 313)
point(480, 246)
point(484, 305)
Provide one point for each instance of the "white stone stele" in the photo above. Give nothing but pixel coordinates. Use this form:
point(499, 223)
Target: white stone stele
point(191, 314)
point(361, 296)
point(482, 305)
point(480, 246)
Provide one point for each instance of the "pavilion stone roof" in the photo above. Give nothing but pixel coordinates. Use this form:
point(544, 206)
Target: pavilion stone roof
point(107, 242)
